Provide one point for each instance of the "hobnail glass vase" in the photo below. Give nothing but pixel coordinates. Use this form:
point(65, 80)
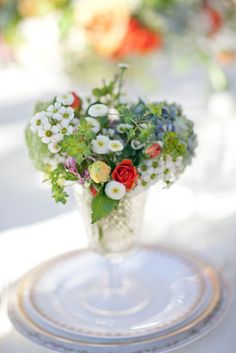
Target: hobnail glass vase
point(114, 237)
point(119, 232)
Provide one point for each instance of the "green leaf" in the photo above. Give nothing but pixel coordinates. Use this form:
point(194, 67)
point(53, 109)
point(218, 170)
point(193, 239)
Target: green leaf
point(126, 114)
point(101, 206)
point(97, 92)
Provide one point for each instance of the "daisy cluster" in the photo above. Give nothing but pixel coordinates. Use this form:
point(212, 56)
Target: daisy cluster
point(164, 170)
point(111, 148)
point(56, 122)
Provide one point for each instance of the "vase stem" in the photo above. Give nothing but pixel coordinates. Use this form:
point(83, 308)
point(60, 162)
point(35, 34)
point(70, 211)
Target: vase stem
point(114, 281)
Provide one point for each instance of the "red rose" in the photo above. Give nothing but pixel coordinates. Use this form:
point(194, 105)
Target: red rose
point(77, 101)
point(126, 174)
point(154, 150)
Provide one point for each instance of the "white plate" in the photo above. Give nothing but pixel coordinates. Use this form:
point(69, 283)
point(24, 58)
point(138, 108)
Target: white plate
point(181, 290)
point(61, 339)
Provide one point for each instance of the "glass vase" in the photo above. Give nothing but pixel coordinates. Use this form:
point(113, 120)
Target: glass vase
point(114, 238)
point(119, 232)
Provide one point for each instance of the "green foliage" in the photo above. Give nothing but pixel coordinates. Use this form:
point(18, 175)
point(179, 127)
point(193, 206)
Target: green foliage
point(78, 145)
point(146, 133)
point(156, 109)
point(102, 206)
point(41, 106)
point(38, 150)
point(57, 178)
point(172, 146)
point(126, 114)
point(104, 90)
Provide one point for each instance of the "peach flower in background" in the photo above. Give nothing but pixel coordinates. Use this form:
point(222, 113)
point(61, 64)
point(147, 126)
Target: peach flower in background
point(105, 23)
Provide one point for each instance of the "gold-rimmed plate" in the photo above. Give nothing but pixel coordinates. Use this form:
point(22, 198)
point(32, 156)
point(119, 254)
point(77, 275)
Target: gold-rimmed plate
point(38, 294)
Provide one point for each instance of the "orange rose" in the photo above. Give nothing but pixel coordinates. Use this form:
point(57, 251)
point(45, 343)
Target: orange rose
point(126, 174)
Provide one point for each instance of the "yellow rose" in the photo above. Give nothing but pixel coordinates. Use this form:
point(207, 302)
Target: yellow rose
point(99, 172)
point(105, 23)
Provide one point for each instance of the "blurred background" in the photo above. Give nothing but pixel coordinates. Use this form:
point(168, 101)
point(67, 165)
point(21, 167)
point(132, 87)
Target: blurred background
point(178, 50)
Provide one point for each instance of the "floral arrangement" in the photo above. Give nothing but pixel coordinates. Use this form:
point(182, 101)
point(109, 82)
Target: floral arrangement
point(112, 148)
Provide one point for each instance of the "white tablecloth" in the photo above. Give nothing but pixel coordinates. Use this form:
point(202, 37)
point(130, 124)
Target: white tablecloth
point(23, 248)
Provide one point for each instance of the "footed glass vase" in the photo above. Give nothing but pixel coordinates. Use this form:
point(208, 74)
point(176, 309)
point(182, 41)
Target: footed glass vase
point(113, 292)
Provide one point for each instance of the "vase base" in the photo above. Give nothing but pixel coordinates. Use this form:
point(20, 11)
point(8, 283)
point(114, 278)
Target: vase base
point(100, 299)
point(163, 297)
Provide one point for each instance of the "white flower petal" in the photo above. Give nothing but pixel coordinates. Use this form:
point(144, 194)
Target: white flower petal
point(66, 99)
point(115, 146)
point(65, 122)
point(100, 145)
point(97, 110)
point(46, 139)
point(53, 147)
point(113, 114)
point(115, 190)
point(94, 123)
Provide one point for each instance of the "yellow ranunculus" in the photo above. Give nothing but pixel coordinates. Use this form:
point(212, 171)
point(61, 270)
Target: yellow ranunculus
point(99, 172)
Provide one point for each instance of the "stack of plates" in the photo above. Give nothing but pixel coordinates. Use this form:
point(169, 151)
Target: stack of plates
point(185, 299)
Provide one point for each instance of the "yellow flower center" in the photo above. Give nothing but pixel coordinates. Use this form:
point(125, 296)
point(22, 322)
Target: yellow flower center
point(48, 133)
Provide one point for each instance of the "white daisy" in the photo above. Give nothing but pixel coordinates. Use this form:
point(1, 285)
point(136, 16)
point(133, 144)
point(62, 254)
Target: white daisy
point(94, 123)
point(97, 110)
point(67, 115)
point(54, 147)
point(100, 145)
point(66, 130)
point(115, 190)
point(46, 134)
point(38, 121)
point(115, 146)
point(53, 111)
point(66, 99)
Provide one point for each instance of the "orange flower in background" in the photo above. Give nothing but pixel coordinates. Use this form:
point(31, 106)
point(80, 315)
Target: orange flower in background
point(105, 23)
point(138, 40)
point(226, 57)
